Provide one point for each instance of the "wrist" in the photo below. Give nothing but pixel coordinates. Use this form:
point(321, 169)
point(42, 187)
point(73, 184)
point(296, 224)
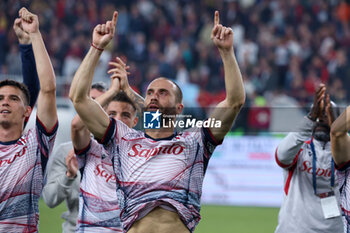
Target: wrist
point(311, 116)
point(71, 175)
point(34, 35)
point(24, 41)
point(96, 47)
point(128, 89)
point(112, 92)
point(227, 54)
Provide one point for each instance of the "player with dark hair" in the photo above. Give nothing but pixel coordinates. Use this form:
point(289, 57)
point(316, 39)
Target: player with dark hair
point(24, 156)
point(311, 191)
point(61, 185)
point(98, 203)
point(159, 172)
point(99, 86)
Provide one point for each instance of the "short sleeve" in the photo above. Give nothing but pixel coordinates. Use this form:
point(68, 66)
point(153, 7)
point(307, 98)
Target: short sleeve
point(46, 141)
point(81, 155)
point(114, 134)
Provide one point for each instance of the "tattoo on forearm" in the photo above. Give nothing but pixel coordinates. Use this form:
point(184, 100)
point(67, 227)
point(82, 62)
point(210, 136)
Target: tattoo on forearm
point(137, 99)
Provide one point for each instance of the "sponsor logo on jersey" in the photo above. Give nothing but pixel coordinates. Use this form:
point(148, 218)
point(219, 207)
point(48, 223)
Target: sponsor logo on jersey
point(307, 167)
point(101, 172)
point(12, 159)
point(140, 151)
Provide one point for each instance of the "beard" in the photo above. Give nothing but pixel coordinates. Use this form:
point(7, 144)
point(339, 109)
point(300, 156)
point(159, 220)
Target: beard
point(168, 111)
point(5, 124)
point(164, 110)
point(323, 134)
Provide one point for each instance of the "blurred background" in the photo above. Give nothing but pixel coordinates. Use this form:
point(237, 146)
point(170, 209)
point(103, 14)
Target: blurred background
point(285, 49)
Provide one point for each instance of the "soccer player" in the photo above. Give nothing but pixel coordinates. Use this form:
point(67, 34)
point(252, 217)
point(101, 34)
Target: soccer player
point(340, 141)
point(98, 207)
point(160, 172)
point(310, 190)
point(24, 156)
point(61, 185)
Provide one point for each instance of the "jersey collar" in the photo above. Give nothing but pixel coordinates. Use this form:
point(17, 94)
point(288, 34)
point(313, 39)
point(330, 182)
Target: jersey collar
point(161, 139)
point(9, 142)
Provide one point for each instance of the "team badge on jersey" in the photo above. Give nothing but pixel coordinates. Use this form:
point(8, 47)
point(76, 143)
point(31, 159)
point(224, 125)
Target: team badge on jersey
point(151, 120)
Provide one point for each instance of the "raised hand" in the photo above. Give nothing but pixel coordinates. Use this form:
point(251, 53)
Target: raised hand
point(103, 33)
point(72, 164)
point(318, 105)
point(222, 36)
point(30, 22)
point(329, 111)
point(120, 72)
point(23, 37)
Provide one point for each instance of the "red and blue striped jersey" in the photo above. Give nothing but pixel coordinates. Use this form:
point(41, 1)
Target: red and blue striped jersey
point(22, 165)
point(98, 204)
point(166, 172)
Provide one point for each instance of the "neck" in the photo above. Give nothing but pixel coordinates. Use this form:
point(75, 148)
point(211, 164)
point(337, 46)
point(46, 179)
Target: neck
point(9, 134)
point(160, 133)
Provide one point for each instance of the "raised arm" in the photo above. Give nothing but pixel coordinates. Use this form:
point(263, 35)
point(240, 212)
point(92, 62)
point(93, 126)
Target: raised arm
point(46, 108)
point(79, 132)
point(340, 139)
point(227, 110)
point(30, 76)
point(290, 146)
point(118, 70)
point(90, 111)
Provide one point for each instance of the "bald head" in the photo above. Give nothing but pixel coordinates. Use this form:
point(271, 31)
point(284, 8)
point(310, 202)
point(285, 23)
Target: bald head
point(173, 86)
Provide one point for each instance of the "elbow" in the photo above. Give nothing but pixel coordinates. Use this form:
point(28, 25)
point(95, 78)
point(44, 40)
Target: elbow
point(49, 90)
point(72, 97)
point(50, 204)
point(77, 98)
point(241, 102)
point(336, 133)
point(237, 103)
point(76, 125)
point(49, 200)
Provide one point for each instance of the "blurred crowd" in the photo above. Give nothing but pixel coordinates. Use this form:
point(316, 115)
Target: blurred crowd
point(284, 48)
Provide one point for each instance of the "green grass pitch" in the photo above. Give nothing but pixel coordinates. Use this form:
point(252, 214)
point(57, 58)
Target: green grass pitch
point(215, 219)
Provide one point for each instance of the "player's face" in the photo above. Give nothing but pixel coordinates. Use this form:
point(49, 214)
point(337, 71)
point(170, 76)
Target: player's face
point(13, 109)
point(94, 93)
point(161, 95)
point(122, 111)
point(322, 129)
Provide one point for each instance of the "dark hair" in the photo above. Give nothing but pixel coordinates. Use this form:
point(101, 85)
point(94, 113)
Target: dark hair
point(123, 97)
point(100, 86)
point(19, 85)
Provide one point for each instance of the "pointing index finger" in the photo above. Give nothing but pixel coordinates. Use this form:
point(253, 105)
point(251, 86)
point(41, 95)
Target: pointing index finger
point(216, 18)
point(115, 18)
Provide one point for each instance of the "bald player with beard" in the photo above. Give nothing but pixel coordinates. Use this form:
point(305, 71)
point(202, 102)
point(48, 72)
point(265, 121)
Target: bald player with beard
point(160, 172)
